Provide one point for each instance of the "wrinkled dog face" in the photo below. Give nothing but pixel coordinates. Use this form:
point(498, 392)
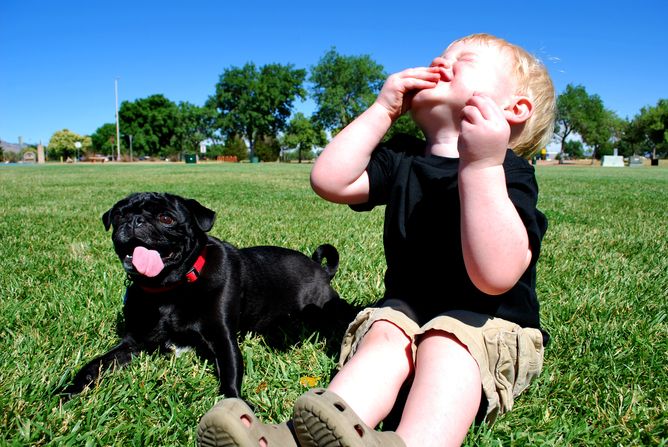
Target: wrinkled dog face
point(153, 233)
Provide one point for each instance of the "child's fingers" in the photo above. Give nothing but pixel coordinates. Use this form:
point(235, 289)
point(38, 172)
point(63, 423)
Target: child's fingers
point(417, 84)
point(421, 76)
point(471, 114)
point(422, 72)
point(489, 109)
point(413, 79)
point(399, 89)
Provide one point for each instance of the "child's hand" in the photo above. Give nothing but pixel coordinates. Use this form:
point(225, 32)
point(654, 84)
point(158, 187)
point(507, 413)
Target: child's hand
point(400, 88)
point(485, 133)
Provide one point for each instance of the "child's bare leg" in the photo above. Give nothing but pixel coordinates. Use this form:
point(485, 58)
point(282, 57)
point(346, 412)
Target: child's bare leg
point(370, 381)
point(445, 395)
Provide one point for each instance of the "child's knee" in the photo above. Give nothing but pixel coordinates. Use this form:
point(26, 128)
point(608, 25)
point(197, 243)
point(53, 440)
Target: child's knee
point(384, 336)
point(386, 332)
point(439, 335)
point(445, 345)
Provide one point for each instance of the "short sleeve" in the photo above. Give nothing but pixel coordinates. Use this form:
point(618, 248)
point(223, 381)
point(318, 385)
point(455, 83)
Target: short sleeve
point(523, 193)
point(381, 169)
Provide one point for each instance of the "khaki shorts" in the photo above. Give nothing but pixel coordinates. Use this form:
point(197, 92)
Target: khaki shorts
point(509, 356)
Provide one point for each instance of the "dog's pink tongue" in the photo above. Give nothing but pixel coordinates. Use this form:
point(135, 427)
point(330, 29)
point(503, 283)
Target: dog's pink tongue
point(147, 262)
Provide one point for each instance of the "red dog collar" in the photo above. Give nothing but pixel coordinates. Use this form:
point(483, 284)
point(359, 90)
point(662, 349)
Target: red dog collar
point(190, 277)
point(194, 272)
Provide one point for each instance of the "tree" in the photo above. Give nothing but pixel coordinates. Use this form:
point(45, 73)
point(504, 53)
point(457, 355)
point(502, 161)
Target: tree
point(570, 114)
point(343, 87)
point(152, 122)
point(194, 125)
point(305, 135)
point(617, 128)
point(255, 103)
point(649, 129)
point(573, 148)
point(63, 144)
point(235, 146)
point(584, 114)
point(598, 129)
point(267, 148)
point(404, 125)
point(104, 139)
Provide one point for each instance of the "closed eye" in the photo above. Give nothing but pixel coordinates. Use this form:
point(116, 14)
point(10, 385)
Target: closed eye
point(467, 57)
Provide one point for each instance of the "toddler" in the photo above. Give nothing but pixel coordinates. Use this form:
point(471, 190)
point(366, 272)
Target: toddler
point(458, 327)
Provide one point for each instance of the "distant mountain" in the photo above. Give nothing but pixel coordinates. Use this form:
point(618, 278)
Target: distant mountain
point(10, 147)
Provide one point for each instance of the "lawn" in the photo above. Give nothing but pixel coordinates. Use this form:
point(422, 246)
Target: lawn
point(603, 285)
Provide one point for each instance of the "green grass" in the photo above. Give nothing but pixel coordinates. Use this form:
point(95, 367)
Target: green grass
point(603, 285)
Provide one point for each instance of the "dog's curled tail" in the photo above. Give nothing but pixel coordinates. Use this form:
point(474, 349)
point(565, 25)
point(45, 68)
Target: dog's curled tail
point(331, 254)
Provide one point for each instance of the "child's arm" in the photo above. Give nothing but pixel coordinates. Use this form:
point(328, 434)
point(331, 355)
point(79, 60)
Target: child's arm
point(494, 240)
point(339, 174)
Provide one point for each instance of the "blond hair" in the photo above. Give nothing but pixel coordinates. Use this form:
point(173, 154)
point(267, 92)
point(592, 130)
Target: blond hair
point(533, 81)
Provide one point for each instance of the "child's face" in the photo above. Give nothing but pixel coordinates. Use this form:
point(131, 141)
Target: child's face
point(468, 68)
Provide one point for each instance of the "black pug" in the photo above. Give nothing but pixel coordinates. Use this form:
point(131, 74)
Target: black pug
point(188, 289)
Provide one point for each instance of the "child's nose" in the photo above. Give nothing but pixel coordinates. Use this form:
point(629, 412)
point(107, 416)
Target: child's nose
point(441, 62)
point(445, 65)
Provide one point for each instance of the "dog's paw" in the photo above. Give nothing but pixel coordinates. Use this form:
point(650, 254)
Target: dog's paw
point(65, 393)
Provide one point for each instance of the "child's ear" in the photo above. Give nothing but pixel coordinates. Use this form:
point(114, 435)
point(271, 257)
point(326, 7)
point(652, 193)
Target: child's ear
point(520, 110)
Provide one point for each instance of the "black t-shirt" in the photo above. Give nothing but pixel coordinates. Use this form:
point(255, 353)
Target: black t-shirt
point(426, 275)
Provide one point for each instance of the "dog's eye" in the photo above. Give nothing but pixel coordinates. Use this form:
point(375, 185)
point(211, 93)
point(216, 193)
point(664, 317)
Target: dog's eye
point(166, 219)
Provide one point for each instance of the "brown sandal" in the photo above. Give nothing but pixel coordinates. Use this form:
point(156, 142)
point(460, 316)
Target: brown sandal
point(323, 419)
point(232, 423)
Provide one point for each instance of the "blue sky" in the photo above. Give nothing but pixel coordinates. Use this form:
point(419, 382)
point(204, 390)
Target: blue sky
point(59, 59)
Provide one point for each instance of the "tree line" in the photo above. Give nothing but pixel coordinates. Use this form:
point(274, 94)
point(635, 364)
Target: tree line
point(250, 114)
point(584, 115)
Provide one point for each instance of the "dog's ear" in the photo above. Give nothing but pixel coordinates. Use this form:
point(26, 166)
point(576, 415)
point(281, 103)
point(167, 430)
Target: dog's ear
point(106, 219)
point(108, 216)
point(203, 215)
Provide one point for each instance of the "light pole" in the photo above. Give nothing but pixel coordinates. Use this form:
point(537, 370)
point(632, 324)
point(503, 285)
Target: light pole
point(118, 132)
point(77, 144)
point(130, 147)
